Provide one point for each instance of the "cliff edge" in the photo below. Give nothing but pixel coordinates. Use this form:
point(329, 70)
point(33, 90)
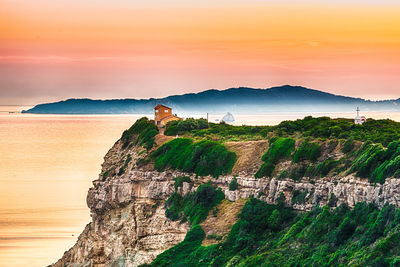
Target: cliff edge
point(129, 226)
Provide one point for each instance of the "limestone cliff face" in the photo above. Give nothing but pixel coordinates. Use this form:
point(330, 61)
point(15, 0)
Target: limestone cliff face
point(129, 226)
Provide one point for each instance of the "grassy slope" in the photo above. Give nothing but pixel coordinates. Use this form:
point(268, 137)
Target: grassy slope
point(304, 142)
point(272, 235)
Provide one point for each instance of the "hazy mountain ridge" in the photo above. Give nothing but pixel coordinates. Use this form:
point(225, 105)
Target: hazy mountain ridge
point(242, 99)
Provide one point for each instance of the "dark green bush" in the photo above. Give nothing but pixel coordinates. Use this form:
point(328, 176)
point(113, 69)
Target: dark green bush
point(233, 185)
point(142, 132)
point(175, 206)
point(177, 255)
point(307, 151)
point(193, 207)
point(375, 162)
point(179, 181)
point(272, 235)
point(284, 174)
point(202, 158)
point(187, 125)
point(348, 146)
point(299, 197)
point(200, 128)
point(279, 149)
point(105, 174)
point(377, 131)
point(323, 168)
point(298, 172)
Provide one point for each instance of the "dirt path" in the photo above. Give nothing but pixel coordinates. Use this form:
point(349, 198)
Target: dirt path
point(249, 155)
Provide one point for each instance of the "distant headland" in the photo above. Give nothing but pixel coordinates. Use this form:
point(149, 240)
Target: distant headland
point(243, 99)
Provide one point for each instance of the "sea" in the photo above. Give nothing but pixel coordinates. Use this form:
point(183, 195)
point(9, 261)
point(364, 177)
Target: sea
point(47, 165)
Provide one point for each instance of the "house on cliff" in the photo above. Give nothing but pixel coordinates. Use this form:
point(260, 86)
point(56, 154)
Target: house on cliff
point(163, 115)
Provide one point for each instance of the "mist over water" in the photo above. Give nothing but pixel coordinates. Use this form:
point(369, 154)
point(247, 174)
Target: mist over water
point(46, 167)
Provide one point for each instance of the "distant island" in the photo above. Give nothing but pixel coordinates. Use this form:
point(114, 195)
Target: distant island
point(243, 99)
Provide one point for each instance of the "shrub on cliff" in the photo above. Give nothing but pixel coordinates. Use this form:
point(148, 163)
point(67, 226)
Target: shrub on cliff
point(233, 185)
point(279, 149)
point(307, 151)
point(142, 132)
point(273, 235)
point(377, 131)
point(202, 158)
point(177, 255)
point(194, 207)
point(180, 180)
point(187, 125)
point(377, 163)
point(221, 131)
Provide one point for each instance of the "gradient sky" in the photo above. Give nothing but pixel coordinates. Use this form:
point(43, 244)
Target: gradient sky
point(51, 50)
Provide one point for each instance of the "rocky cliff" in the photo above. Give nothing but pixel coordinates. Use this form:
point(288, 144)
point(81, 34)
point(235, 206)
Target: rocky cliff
point(129, 226)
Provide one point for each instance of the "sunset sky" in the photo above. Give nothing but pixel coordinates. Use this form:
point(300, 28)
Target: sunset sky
point(52, 50)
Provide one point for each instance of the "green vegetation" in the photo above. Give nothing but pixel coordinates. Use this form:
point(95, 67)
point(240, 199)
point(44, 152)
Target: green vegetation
point(298, 172)
point(272, 235)
point(202, 158)
point(307, 151)
point(377, 163)
point(105, 174)
point(279, 149)
point(369, 151)
point(323, 168)
point(176, 256)
point(348, 146)
point(199, 129)
point(233, 185)
point(299, 197)
point(376, 131)
point(377, 159)
point(142, 132)
point(123, 168)
point(275, 235)
point(284, 174)
point(187, 125)
point(193, 207)
point(179, 181)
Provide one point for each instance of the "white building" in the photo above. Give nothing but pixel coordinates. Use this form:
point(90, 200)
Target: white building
point(359, 119)
point(228, 118)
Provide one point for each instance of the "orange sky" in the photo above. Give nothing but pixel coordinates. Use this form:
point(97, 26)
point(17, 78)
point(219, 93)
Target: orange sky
point(51, 50)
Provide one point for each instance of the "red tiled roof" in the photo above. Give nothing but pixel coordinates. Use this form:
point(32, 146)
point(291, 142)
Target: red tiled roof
point(159, 106)
point(172, 116)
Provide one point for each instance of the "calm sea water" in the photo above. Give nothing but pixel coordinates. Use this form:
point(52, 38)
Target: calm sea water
point(47, 163)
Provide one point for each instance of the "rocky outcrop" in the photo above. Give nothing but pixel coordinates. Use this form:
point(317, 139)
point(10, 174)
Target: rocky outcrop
point(129, 226)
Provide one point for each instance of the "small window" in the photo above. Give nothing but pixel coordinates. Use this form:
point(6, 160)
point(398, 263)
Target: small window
point(166, 111)
point(156, 110)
